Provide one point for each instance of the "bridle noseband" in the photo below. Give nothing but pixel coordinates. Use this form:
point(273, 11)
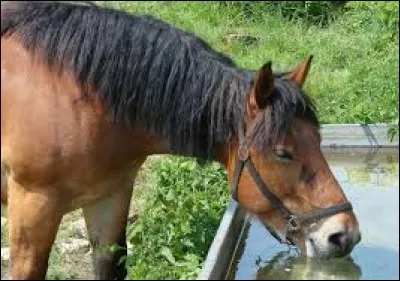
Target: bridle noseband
point(294, 222)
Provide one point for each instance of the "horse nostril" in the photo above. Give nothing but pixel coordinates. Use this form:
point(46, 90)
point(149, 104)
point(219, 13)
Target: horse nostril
point(340, 239)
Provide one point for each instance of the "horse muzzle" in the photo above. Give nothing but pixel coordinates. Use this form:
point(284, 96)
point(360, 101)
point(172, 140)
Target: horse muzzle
point(336, 237)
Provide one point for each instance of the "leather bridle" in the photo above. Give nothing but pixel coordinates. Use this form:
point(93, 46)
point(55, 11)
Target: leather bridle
point(294, 222)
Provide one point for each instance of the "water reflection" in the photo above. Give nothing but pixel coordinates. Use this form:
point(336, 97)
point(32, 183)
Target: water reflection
point(366, 167)
point(284, 266)
point(370, 180)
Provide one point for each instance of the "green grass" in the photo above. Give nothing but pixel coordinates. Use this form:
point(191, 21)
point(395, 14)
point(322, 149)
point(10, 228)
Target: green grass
point(56, 269)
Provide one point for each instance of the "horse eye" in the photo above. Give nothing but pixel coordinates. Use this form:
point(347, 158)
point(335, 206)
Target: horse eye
point(283, 155)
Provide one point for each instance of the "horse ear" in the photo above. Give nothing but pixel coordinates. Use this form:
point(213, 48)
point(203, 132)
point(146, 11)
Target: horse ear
point(300, 74)
point(263, 87)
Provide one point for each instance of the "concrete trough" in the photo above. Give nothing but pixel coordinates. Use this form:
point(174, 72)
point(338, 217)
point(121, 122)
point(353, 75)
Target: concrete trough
point(336, 137)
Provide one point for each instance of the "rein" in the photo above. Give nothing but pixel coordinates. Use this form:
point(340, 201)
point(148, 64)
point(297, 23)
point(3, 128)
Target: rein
point(294, 222)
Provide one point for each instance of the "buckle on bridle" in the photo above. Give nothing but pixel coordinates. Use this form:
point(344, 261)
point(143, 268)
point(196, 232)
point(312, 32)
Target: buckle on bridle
point(243, 153)
point(293, 224)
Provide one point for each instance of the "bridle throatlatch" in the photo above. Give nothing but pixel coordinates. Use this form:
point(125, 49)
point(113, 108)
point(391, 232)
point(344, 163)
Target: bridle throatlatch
point(294, 222)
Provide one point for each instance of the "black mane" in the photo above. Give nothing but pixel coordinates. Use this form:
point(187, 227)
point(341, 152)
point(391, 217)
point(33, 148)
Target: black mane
point(149, 73)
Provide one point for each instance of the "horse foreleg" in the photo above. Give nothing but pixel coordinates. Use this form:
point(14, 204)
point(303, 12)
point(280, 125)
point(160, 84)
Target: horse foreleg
point(4, 179)
point(34, 217)
point(106, 221)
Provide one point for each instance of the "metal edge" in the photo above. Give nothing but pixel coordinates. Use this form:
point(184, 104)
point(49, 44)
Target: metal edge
point(333, 136)
point(236, 250)
point(357, 135)
point(224, 243)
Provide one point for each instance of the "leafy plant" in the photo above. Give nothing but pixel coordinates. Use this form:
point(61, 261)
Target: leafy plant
point(175, 229)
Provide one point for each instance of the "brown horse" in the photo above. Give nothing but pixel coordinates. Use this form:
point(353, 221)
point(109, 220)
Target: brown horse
point(88, 93)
